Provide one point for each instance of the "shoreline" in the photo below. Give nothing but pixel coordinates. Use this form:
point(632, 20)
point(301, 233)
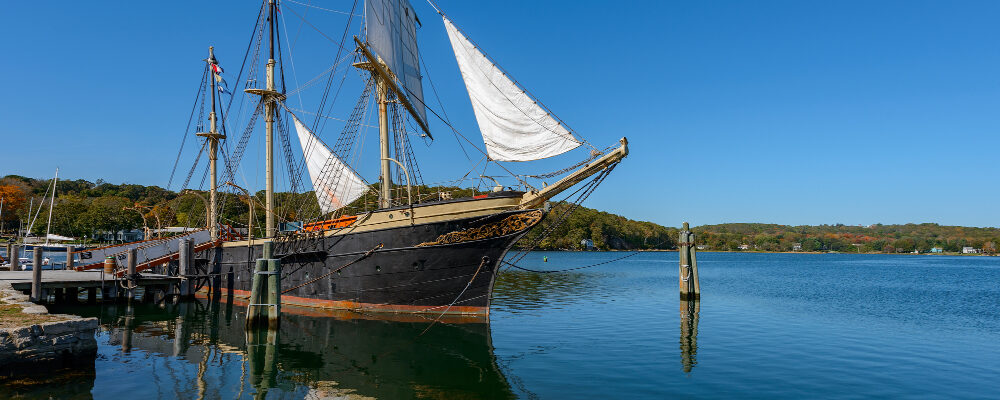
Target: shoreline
point(773, 252)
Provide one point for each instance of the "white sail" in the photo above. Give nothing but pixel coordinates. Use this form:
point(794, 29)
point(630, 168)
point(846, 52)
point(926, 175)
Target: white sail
point(514, 126)
point(336, 185)
point(391, 30)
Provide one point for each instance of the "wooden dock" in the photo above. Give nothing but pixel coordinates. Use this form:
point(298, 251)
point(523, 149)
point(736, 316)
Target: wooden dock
point(66, 285)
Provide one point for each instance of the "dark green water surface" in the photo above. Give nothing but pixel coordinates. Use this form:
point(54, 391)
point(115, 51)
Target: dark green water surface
point(768, 326)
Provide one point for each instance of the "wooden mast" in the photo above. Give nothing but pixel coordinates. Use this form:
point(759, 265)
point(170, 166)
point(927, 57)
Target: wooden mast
point(213, 136)
point(385, 201)
point(270, 97)
point(269, 109)
point(385, 82)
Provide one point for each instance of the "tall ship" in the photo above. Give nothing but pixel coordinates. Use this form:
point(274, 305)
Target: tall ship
point(388, 245)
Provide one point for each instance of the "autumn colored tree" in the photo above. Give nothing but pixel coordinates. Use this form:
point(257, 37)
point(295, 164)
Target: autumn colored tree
point(14, 198)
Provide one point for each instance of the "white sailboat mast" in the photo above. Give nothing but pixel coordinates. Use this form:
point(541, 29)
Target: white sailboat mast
point(48, 226)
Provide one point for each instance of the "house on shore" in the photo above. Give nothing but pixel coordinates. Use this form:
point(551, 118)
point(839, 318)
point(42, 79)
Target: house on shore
point(970, 250)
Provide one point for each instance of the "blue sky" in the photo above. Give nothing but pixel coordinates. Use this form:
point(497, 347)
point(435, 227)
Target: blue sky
point(788, 112)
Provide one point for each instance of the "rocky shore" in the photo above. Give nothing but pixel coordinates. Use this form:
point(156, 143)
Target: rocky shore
point(32, 340)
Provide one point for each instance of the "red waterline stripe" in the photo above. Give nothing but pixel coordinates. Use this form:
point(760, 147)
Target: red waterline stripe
point(355, 306)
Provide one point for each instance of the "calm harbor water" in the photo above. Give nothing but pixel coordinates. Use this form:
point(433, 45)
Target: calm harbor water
point(768, 326)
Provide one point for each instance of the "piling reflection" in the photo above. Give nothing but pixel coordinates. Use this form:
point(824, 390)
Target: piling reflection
point(689, 334)
point(202, 350)
point(261, 349)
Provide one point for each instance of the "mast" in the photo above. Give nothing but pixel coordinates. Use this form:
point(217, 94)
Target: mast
point(213, 137)
point(270, 97)
point(383, 137)
point(384, 83)
point(269, 109)
point(52, 202)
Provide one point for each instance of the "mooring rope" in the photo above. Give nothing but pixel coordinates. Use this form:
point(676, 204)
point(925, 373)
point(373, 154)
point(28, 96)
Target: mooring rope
point(363, 256)
point(544, 271)
point(481, 263)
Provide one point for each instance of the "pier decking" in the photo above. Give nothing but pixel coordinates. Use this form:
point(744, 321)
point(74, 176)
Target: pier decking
point(58, 282)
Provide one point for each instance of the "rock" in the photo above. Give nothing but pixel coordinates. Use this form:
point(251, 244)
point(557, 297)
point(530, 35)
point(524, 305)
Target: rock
point(74, 325)
point(35, 309)
point(38, 346)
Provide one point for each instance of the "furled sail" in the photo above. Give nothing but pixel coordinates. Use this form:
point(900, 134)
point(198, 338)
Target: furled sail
point(514, 126)
point(336, 185)
point(391, 31)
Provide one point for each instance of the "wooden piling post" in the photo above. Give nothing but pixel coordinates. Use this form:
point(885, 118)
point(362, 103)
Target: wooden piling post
point(91, 295)
point(688, 277)
point(184, 266)
point(14, 256)
point(265, 291)
point(36, 274)
point(695, 283)
point(130, 262)
point(254, 310)
point(274, 292)
point(69, 257)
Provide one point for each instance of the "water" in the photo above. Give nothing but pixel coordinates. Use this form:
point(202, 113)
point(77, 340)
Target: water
point(57, 259)
point(769, 326)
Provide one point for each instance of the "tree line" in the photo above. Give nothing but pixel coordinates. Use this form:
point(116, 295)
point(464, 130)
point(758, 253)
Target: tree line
point(877, 238)
point(84, 208)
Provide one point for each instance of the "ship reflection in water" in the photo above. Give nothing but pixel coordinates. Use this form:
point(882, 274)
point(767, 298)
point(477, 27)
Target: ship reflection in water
point(200, 350)
point(689, 334)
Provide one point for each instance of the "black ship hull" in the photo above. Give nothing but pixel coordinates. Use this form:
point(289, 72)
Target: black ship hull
point(444, 267)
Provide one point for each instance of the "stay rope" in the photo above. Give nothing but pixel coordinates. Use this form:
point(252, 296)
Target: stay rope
point(549, 271)
point(587, 190)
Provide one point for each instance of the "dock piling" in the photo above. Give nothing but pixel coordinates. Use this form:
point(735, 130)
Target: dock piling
point(36, 275)
point(69, 257)
point(130, 262)
point(274, 291)
point(184, 266)
point(265, 291)
point(13, 257)
point(690, 289)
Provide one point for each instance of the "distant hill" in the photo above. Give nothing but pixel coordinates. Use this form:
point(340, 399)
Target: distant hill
point(607, 231)
point(876, 238)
